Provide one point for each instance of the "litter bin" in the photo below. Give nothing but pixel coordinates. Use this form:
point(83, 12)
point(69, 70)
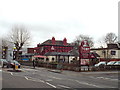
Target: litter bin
point(16, 66)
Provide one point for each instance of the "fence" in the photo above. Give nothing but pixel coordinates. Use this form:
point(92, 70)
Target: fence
point(71, 67)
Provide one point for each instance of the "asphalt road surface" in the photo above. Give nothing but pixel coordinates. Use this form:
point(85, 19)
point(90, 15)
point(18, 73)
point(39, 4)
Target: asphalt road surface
point(67, 80)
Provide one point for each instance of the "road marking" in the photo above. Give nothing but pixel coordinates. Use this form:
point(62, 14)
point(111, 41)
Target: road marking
point(29, 69)
point(87, 83)
point(107, 78)
point(63, 86)
point(26, 78)
point(49, 80)
point(38, 80)
point(34, 79)
point(55, 77)
point(11, 73)
point(51, 85)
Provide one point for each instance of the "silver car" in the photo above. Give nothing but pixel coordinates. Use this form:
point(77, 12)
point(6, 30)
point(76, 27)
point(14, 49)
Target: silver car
point(3, 62)
point(100, 63)
point(117, 63)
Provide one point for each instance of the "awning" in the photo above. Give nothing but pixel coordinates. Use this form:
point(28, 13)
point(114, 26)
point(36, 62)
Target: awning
point(39, 56)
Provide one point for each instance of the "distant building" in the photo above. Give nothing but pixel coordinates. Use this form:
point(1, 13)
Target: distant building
point(112, 52)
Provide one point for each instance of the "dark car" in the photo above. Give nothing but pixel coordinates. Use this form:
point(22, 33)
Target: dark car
point(12, 63)
point(3, 62)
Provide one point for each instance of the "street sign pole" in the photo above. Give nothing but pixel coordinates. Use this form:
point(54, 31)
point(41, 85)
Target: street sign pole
point(79, 58)
point(84, 51)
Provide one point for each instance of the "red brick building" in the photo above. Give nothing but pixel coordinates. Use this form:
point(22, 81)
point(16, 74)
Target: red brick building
point(51, 45)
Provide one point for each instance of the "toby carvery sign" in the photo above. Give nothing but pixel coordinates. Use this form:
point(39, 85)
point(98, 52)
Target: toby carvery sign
point(84, 51)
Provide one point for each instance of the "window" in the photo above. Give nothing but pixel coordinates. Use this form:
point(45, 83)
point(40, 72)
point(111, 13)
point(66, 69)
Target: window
point(113, 52)
point(53, 59)
point(47, 59)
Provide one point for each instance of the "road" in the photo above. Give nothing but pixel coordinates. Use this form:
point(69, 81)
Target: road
point(42, 78)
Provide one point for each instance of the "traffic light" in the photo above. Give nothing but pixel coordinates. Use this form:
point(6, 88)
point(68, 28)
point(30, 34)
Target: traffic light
point(14, 55)
point(4, 52)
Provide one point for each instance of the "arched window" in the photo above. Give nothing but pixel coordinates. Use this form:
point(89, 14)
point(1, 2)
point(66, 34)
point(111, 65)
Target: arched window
point(47, 59)
point(53, 58)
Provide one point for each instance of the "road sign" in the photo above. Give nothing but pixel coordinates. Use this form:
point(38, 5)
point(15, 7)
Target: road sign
point(84, 50)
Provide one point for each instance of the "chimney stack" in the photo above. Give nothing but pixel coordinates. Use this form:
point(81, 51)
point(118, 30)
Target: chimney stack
point(64, 41)
point(53, 40)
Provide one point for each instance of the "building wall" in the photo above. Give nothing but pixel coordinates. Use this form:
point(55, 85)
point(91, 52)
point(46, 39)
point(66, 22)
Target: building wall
point(50, 58)
point(102, 55)
point(30, 50)
point(61, 57)
point(119, 54)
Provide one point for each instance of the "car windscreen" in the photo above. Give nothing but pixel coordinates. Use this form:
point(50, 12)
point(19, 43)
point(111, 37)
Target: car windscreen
point(118, 62)
point(112, 62)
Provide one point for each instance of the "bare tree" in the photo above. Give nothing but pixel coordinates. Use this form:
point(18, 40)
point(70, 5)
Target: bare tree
point(19, 36)
point(101, 42)
point(81, 37)
point(110, 38)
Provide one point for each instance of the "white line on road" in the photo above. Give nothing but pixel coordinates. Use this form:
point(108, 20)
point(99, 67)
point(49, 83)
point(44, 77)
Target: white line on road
point(38, 80)
point(11, 73)
point(63, 86)
point(26, 78)
point(49, 80)
point(87, 83)
point(51, 85)
point(55, 77)
point(105, 78)
point(34, 79)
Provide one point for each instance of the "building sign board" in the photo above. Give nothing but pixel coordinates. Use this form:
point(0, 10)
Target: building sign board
point(84, 51)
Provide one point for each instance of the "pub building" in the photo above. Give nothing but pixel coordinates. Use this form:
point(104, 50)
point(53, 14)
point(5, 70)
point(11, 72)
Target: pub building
point(60, 51)
point(57, 49)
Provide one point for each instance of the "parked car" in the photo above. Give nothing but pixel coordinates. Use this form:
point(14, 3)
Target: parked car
point(111, 62)
point(12, 64)
point(117, 63)
point(100, 64)
point(3, 62)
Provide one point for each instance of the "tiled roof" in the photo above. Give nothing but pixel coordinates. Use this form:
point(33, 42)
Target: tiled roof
point(109, 46)
point(112, 46)
point(57, 42)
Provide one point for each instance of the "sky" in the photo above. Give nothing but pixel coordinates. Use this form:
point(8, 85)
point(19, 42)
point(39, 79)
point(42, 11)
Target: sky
point(60, 18)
